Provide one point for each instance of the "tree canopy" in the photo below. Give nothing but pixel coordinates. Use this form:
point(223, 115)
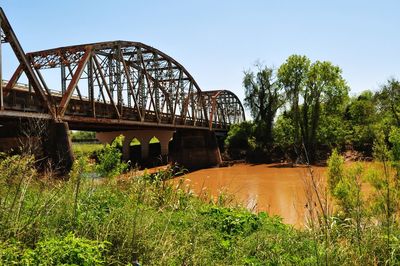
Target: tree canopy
point(303, 109)
point(264, 96)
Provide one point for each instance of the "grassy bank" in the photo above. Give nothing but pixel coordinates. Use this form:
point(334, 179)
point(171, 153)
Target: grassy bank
point(114, 222)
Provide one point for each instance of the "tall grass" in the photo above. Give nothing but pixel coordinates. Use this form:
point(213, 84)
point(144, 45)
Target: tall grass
point(117, 221)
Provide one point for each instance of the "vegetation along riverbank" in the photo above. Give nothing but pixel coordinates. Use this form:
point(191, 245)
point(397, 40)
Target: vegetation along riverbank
point(104, 213)
point(143, 217)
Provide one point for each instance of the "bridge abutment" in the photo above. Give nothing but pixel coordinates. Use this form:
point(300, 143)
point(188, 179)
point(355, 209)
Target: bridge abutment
point(48, 141)
point(195, 149)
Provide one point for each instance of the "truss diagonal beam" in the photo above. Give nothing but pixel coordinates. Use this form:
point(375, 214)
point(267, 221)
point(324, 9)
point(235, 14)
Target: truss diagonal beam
point(106, 86)
point(11, 38)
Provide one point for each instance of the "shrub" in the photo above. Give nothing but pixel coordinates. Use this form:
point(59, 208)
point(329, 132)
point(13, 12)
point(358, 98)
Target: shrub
point(110, 164)
point(68, 250)
point(240, 139)
point(232, 222)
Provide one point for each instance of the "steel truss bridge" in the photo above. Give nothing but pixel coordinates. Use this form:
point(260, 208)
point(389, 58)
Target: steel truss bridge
point(118, 84)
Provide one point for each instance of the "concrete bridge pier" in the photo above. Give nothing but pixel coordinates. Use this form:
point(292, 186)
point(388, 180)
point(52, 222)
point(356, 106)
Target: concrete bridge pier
point(195, 149)
point(58, 148)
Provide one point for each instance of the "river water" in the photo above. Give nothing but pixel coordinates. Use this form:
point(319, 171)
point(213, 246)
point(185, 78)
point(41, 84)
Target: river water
point(275, 188)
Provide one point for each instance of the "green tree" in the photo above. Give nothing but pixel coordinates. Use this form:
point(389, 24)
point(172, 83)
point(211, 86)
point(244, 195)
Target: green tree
point(362, 118)
point(293, 75)
point(110, 156)
point(312, 90)
point(325, 86)
point(389, 100)
point(284, 135)
point(240, 139)
point(263, 97)
point(333, 130)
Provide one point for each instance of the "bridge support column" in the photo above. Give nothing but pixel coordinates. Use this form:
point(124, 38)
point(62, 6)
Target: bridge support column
point(164, 147)
point(195, 149)
point(143, 136)
point(164, 142)
point(144, 141)
point(125, 150)
point(58, 148)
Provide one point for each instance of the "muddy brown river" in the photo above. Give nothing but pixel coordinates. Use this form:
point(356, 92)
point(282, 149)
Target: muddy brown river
point(274, 188)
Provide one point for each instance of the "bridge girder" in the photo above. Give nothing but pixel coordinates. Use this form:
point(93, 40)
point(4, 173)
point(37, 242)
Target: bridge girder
point(123, 81)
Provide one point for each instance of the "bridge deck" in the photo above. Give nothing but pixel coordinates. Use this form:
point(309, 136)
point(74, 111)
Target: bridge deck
point(21, 104)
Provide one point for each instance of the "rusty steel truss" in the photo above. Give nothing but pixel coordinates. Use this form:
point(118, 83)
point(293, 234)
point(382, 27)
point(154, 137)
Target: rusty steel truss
point(119, 82)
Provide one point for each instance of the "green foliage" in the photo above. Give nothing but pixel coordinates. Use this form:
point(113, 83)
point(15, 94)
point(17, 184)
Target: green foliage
point(284, 132)
point(159, 222)
point(333, 131)
point(345, 186)
point(388, 99)
point(367, 224)
point(16, 173)
point(12, 253)
point(394, 139)
point(109, 159)
point(335, 170)
point(69, 250)
point(385, 180)
point(362, 117)
point(314, 90)
point(316, 112)
point(231, 222)
point(240, 139)
point(86, 149)
point(264, 96)
point(82, 135)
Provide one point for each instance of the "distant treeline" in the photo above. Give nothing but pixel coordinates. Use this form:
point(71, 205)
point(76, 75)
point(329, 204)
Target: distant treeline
point(83, 136)
point(303, 109)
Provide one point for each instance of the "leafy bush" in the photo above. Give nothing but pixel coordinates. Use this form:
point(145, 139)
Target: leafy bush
point(109, 158)
point(11, 253)
point(233, 222)
point(240, 139)
point(69, 250)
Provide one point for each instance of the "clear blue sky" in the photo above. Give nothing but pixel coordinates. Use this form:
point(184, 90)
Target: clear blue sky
point(217, 40)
